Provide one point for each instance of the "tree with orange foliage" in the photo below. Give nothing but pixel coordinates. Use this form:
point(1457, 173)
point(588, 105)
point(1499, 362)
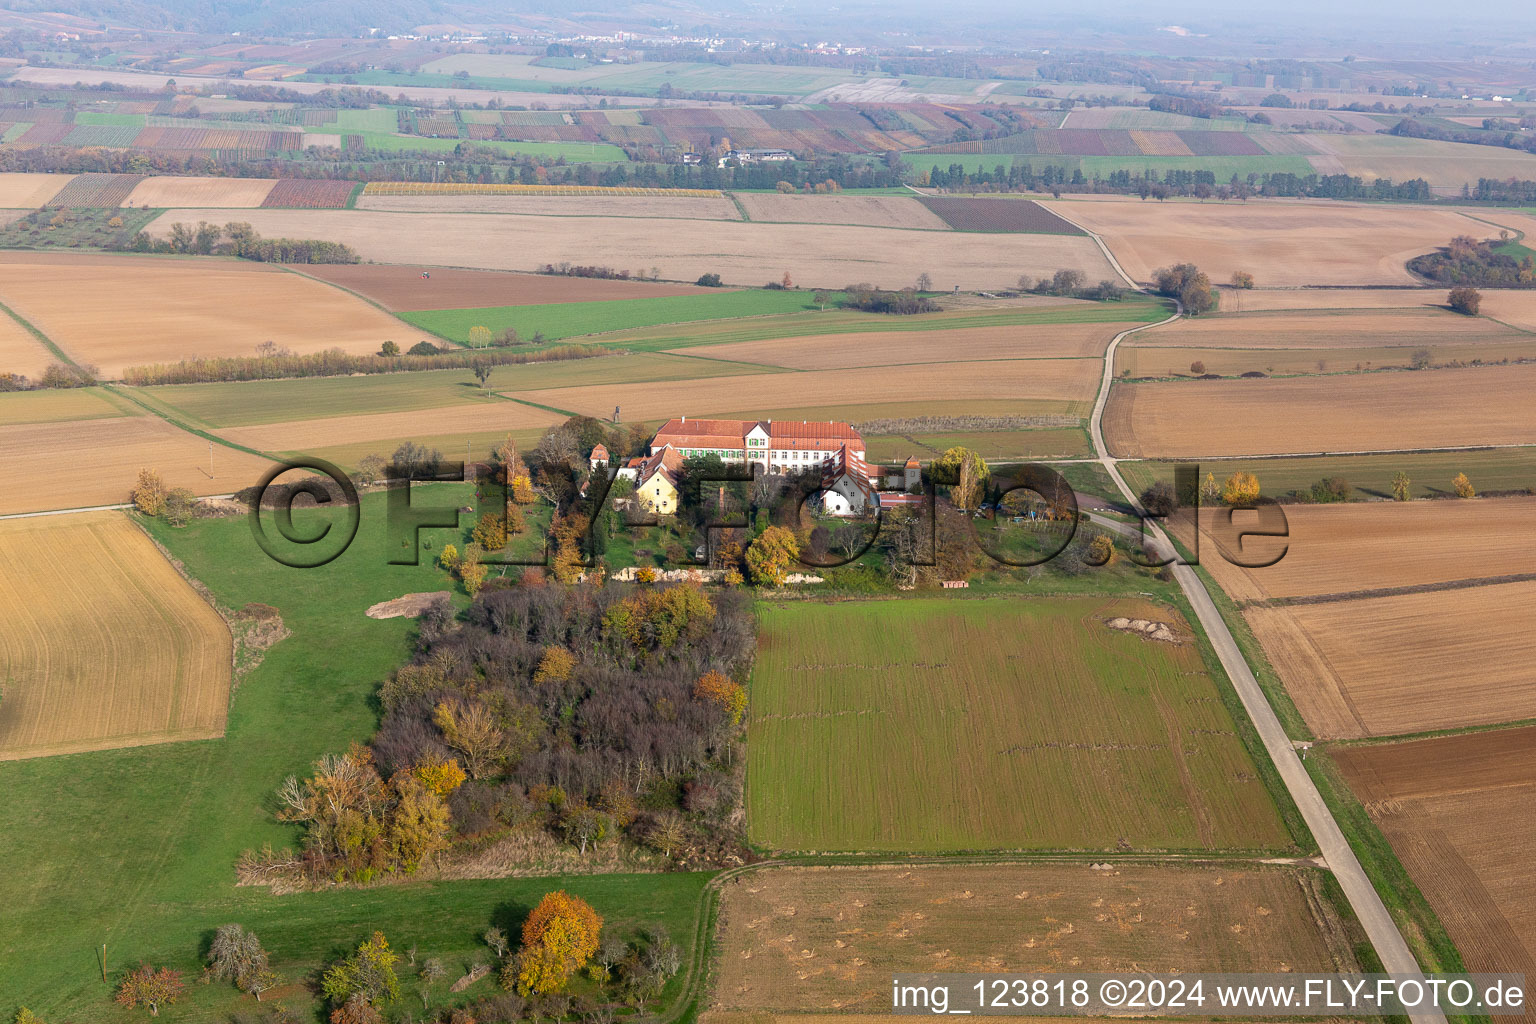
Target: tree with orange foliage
point(725, 693)
point(146, 986)
point(556, 665)
point(559, 937)
point(1240, 490)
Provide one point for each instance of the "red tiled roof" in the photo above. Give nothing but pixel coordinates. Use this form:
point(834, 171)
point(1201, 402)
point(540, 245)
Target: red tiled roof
point(600, 453)
point(731, 434)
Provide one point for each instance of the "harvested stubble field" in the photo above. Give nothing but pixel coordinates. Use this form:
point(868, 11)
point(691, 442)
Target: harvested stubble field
point(1459, 812)
point(248, 403)
point(20, 352)
point(872, 211)
point(686, 208)
point(1342, 549)
point(400, 288)
point(1514, 307)
point(1269, 300)
point(229, 193)
point(120, 651)
point(1145, 362)
point(1041, 443)
point(1343, 413)
point(30, 191)
point(122, 311)
point(862, 711)
point(1409, 328)
point(1068, 380)
point(73, 464)
point(741, 252)
point(311, 434)
point(1342, 661)
point(876, 348)
point(828, 938)
point(998, 214)
point(1279, 243)
point(58, 406)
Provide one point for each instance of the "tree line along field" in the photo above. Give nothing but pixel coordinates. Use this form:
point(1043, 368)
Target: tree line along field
point(118, 652)
point(826, 939)
point(1459, 812)
point(118, 311)
point(1038, 726)
point(743, 253)
point(670, 203)
point(1281, 244)
point(166, 878)
point(398, 288)
point(1337, 413)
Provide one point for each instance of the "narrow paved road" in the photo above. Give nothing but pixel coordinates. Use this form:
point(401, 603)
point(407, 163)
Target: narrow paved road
point(1373, 915)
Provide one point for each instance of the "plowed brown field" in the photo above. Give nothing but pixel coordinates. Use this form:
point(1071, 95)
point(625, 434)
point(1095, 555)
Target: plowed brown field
point(1261, 300)
point(1344, 661)
point(888, 348)
point(1279, 243)
point(828, 939)
point(20, 352)
point(1345, 413)
point(816, 255)
point(95, 462)
point(403, 288)
point(872, 211)
point(229, 193)
point(1067, 379)
point(1339, 549)
point(130, 311)
point(119, 651)
point(308, 435)
point(1460, 812)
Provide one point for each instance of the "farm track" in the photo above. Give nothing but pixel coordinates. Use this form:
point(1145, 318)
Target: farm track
point(1391, 949)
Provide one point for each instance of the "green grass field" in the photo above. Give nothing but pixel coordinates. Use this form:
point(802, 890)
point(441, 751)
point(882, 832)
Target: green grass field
point(838, 321)
point(1103, 166)
point(943, 724)
point(570, 319)
point(136, 848)
point(575, 152)
point(58, 406)
point(1493, 469)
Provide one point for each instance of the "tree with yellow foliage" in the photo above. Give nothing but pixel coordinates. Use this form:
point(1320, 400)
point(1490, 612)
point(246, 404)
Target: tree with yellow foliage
point(148, 495)
point(491, 532)
point(559, 937)
point(471, 571)
point(725, 693)
point(419, 824)
point(471, 728)
point(1463, 486)
point(771, 555)
point(555, 665)
point(448, 558)
point(368, 973)
point(1241, 490)
point(442, 776)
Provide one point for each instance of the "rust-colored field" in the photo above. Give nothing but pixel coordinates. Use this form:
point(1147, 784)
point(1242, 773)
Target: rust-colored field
point(403, 287)
point(1343, 661)
point(1342, 549)
point(1345, 413)
point(741, 252)
point(308, 435)
point(228, 193)
point(682, 208)
point(1407, 328)
point(119, 651)
point(889, 348)
point(20, 352)
point(872, 211)
point(95, 462)
point(30, 191)
point(828, 939)
point(129, 311)
point(1280, 243)
point(1072, 380)
point(1459, 812)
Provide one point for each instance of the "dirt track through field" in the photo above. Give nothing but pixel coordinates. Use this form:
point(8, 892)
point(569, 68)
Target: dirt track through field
point(1385, 411)
point(118, 651)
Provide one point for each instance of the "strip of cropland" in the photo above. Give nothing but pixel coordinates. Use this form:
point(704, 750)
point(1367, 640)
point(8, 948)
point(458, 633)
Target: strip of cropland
point(863, 711)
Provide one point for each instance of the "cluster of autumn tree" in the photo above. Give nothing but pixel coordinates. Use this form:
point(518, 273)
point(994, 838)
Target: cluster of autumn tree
point(334, 362)
point(241, 240)
point(1469, 262)
point(1190, 285)
point(590, 713)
